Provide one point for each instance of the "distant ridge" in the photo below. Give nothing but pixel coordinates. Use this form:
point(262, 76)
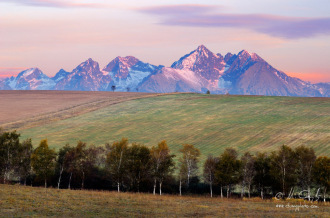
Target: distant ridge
point(201, 70)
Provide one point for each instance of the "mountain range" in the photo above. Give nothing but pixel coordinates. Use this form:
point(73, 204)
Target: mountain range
point(244, 73)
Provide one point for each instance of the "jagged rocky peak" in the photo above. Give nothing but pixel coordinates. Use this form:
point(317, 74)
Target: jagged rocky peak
point(62, 70)
point(228, 56)
point(220, 56)
point(88, 65)
point(198, 71)
point(31, 73)
point(205, 52)
point(197, 57)
point(130, 60)
point(31, 79)
point(60, 75)
point(121, 63)
point(204, 62)
point(247, 54)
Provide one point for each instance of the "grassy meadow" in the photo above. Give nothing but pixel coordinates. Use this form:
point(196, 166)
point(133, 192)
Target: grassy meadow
point(210, 122)
point(20, 201)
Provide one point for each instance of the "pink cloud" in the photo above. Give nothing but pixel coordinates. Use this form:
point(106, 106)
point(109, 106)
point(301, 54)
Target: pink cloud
point(311, 77)
point(53, 3)
point(276, 26)
point(6, 72)
point(179, 9)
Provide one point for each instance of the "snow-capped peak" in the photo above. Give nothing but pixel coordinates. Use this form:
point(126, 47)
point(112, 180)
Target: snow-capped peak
point(31, 79)
point(244, 53)
point(121, 62)
point(88, 65)
point(200, 54)
point(89, 61)
point(201, 48)
point(203, 51)
point(247, 54)
point(29, 72)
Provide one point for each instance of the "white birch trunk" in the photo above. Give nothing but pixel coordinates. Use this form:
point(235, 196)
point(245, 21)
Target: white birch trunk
point(59, 178)
point(180, 187)
point(211, 189)
point(69, 187)
point(221, 192)
point(155, 184)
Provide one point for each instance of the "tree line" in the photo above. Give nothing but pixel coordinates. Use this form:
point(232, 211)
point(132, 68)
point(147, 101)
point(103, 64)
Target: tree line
point(138, 168)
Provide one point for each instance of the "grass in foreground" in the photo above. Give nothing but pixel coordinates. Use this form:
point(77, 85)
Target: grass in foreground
point(22, 201)
point(210, 122)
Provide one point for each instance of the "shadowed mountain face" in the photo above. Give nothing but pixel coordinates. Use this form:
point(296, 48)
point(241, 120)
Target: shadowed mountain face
point(128, 72)
point(30, 79)
point(86, 77)
point(203, 62)
point(201, 70)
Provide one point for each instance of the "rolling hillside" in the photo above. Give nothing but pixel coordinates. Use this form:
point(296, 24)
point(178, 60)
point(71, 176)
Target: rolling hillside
point(210, 122)
point(31, 108)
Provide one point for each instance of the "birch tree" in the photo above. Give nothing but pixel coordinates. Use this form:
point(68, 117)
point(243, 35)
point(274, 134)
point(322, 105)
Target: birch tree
point(262, 169)
point(80, 160)
point(61, 164)
point(138, 164)
point(189, 161)
point(306, 158)
point(85, 159)
point(24, 158)
point(321, 173)
point(247, 172)
point(209, 171)
point(117, 161)
point(70, 164)
point(227, 170)
point(283, 167)
point(43, 161)
point(9, 153)
point(162, 164)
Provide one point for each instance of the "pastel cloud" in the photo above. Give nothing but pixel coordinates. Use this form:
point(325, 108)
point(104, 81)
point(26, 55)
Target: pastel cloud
point(276, 26)
point(311, 76)
point(52, 3)
point(6, 72)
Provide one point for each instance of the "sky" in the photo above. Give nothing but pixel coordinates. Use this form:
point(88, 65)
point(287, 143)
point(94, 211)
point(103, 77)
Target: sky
point(293, 36)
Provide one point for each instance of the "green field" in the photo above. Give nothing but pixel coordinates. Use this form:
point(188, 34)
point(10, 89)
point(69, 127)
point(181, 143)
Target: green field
point(20, 201)
point(210, 122)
